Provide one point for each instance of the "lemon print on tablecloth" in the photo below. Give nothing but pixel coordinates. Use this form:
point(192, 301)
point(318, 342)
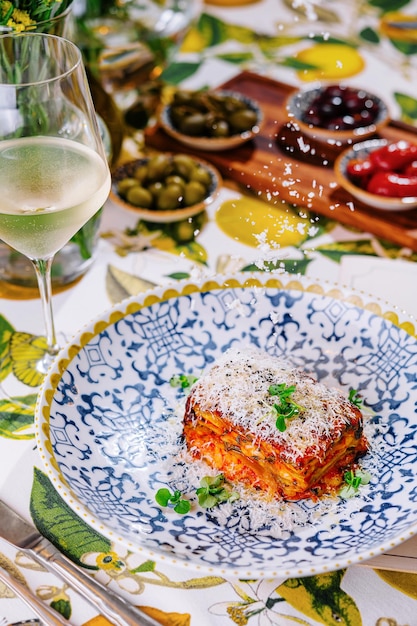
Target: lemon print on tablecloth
point(330, 61)
point(399, 27)
point(165, 619)
point(255, 223)
point(194, 41)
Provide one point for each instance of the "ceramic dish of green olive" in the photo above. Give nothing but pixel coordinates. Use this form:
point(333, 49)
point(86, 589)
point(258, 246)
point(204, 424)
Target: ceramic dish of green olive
point(165, 187)
point(211, 120)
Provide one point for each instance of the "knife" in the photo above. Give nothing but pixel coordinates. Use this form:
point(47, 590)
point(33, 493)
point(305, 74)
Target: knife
point(25, 536)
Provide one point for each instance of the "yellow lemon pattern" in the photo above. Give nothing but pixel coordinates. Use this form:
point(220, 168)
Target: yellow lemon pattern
point(330, 62)
point(254, 223)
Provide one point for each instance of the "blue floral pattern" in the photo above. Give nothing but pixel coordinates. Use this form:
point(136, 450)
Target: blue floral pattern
point(107, 411)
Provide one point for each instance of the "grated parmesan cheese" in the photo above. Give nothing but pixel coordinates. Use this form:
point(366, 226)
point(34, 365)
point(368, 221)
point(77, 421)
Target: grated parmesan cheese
point(237, 386)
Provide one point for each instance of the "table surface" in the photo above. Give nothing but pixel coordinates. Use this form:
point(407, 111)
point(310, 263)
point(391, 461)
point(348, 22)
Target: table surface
point(263, 37)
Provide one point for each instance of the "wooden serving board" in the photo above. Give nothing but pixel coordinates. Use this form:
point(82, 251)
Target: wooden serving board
point(283, 165)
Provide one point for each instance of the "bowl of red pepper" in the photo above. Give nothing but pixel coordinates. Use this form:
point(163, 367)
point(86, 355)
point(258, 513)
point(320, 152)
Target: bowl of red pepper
point(380, 173)
point(337, 113)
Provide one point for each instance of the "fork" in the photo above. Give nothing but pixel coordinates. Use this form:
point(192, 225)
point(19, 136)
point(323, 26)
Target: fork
point(45, 614)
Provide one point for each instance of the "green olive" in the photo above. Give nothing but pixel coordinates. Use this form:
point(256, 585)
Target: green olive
point(158, 167)
point(175, 179)
point(140, 197)
point(194, 124)
point(125, 184)
point(141, 172)
point(183, 165)
point(201, 175)
point(170, 197)
point(194, 193)
point(155, 188)
point(220, 129)
point(232, 103)
point(243, 120)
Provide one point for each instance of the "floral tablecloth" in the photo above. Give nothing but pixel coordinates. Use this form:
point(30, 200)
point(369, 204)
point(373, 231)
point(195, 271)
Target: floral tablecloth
point(370, 44)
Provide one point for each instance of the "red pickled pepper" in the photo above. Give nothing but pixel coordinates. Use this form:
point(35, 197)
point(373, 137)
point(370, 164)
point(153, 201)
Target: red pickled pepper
point(393, 184)
point(389, 171)
point(394, 156)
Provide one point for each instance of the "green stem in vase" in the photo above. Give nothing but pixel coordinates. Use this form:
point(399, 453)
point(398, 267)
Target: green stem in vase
point(85, 237)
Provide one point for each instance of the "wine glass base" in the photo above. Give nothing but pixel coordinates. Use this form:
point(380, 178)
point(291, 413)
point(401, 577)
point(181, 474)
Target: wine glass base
point(43, 365)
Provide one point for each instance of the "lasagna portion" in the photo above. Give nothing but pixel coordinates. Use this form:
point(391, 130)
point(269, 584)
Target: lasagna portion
point(272, 427)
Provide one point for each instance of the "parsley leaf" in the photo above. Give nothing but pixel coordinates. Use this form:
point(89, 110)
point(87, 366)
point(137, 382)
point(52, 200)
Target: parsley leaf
point(213, 490)
point(185, 381)
point(355, 399)
point(164, 498)
point(286, 407)
point(353, 481)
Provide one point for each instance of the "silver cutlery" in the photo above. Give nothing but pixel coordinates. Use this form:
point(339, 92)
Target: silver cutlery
point(21, 534)
point(47, 615)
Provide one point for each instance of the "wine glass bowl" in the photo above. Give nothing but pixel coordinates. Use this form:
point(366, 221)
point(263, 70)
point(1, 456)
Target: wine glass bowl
point(54, 173)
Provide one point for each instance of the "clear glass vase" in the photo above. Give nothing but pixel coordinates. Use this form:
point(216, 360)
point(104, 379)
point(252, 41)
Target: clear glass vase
point(76, 257)
point(129, 42)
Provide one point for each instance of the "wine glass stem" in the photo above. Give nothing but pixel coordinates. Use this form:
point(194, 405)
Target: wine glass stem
point(43, 275)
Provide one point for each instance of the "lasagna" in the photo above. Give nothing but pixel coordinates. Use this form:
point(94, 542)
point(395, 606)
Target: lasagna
point(264, 424)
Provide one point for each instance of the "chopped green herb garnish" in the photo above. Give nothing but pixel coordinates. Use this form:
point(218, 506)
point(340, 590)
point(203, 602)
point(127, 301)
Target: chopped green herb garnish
point(355, 399)
point(213, 490)
point(164, 497)
point(286, 407)
point(183, 380)
point(353, 481)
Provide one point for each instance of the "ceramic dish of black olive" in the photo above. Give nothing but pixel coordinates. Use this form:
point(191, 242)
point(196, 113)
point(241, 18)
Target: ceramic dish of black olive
point(337, 113)
point(165, 187)
point(211, 120)
point(380, 173)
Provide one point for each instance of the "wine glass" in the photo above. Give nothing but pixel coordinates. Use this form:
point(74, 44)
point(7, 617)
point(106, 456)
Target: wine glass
point(54, 173)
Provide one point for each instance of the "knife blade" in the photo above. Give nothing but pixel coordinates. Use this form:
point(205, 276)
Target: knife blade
point(23, 535)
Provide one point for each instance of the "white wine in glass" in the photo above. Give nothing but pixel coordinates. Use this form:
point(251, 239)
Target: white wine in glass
point(54, 174)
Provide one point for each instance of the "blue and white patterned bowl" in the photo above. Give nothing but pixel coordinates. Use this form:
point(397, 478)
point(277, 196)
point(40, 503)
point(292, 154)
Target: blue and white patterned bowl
point(108, 423)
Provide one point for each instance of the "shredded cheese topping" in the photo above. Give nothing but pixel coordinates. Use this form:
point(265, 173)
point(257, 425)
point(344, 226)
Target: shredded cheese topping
point(237, 386)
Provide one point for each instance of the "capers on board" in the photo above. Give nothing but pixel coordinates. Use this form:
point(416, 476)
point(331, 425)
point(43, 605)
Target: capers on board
point(211, 114)
point(165, 182)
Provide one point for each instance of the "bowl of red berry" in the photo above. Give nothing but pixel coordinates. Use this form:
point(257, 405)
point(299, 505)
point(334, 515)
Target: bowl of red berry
point(380, 173)
point(337, 113)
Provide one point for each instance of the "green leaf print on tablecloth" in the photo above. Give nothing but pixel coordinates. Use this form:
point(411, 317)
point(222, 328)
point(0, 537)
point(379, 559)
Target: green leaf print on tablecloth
point(16, 415)
point(58, 523)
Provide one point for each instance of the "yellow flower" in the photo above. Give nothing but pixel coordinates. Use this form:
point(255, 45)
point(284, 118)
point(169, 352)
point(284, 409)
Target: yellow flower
point(109, 561)
point(22, 17)
point(19, 20)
